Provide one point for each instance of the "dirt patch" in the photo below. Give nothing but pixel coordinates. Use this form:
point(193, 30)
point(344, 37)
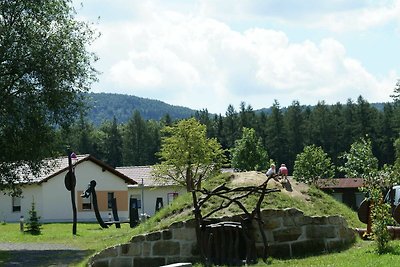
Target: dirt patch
point(293, 188)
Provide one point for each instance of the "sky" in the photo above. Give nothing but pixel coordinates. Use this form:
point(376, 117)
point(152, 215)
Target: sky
point(208, 54)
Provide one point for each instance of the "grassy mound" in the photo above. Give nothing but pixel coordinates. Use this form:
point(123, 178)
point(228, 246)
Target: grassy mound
point(310, 200)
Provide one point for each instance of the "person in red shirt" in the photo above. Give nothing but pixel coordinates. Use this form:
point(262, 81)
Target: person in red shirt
point(283, 172)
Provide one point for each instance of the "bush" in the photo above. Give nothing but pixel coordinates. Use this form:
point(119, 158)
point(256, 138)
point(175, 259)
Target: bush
point(33, 225)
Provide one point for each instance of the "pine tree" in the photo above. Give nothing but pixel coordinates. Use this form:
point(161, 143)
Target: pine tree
point(34, 226)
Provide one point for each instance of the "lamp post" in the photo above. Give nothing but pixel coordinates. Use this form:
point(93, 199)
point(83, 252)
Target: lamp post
point(21, 223)
point(143, 213)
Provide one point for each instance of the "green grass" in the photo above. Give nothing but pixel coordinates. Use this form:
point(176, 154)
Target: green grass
point(360, 254)
point(90, 237)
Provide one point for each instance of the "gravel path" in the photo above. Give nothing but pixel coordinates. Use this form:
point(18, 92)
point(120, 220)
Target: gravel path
point(41, 254)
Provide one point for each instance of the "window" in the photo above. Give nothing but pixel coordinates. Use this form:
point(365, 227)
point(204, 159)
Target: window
point(16, 204)
point(171, 197)
point(136, 201)
point(87, 203)
point(110, 197)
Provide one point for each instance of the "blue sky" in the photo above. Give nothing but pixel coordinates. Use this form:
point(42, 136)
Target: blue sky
point(209, 54)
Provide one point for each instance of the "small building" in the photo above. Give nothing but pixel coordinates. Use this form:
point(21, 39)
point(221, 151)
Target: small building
point(149, 193)
point(53, 200)
point(345, 190)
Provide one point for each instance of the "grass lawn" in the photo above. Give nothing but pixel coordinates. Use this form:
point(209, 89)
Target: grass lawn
point(361, 254)
point(90, 236)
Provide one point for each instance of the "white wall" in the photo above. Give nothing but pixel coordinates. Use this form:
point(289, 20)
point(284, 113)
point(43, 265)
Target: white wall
point(31, 193)
point(57, 200)
point(53, 201)
point(150, 195)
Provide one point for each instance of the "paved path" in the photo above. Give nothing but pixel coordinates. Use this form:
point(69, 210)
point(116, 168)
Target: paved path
point(40, 254)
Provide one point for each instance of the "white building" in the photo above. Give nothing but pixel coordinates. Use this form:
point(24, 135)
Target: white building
point(53, 200)
point(147, 189)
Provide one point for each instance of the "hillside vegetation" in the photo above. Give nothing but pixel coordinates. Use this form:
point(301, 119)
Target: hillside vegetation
point(104, 106)
point(310, 200)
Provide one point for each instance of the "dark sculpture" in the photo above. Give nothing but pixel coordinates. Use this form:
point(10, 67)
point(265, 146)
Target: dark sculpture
point(70, 182)
point(133, 220)
point(91, 190)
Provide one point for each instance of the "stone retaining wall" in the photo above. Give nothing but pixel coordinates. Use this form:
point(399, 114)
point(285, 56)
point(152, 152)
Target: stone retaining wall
point(289, 234)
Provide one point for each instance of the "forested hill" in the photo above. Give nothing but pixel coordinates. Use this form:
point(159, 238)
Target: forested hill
point(104, 106)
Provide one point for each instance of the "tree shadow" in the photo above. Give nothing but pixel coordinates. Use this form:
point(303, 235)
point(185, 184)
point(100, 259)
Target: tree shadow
point(37, 257)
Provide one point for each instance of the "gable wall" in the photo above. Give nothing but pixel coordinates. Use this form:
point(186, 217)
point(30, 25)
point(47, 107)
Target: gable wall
point(53, 201)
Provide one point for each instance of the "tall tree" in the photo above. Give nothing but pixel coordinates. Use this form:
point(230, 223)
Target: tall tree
point(360, 162)
point(113, 144)
point(248, 153)
point(231, 127)
point(45, 66)
point(311, 164)
point(294, 127)
point(135, 141)
point(276, 135)
point(187, 155)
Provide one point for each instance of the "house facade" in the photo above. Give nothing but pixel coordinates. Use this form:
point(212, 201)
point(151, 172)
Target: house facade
point(53, 200)
point(149, 194)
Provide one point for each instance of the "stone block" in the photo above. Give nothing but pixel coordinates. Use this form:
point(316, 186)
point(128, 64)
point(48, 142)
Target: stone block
point(166, 235)
point(320, 220)
point(272, 223)
point(186, 249)
point(122, 262)
point(280, 251)
point(334, 245)
point(347, 234)
point(272, 213)
point(138, 238)
point(184, 234)
point(135, 249)
point(307, 247)
point(293, 212)
point(100, 263)
point(288, 234)
point(166, 248)
point(153, 236)
point(289, 221)
point(320, 231)
point(191, 223)
point(302, 220)
point(146, 249)
point(177, 225)
point(107, 253)
point(337, 220)
point(149, 262)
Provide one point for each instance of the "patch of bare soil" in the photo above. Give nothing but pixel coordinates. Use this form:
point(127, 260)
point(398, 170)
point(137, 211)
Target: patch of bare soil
point(293, 188)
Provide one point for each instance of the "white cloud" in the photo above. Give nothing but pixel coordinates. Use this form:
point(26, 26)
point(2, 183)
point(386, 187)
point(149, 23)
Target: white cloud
point(191, 60)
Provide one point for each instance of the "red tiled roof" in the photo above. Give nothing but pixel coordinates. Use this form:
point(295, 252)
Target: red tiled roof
point(340, 183)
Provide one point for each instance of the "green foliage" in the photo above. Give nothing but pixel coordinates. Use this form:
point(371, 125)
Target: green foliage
point(311, 164)
point(34, 226)
point(187, 155)
point(45, 67)
point(360, 161)
point(248, 153)
point(381, 218)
